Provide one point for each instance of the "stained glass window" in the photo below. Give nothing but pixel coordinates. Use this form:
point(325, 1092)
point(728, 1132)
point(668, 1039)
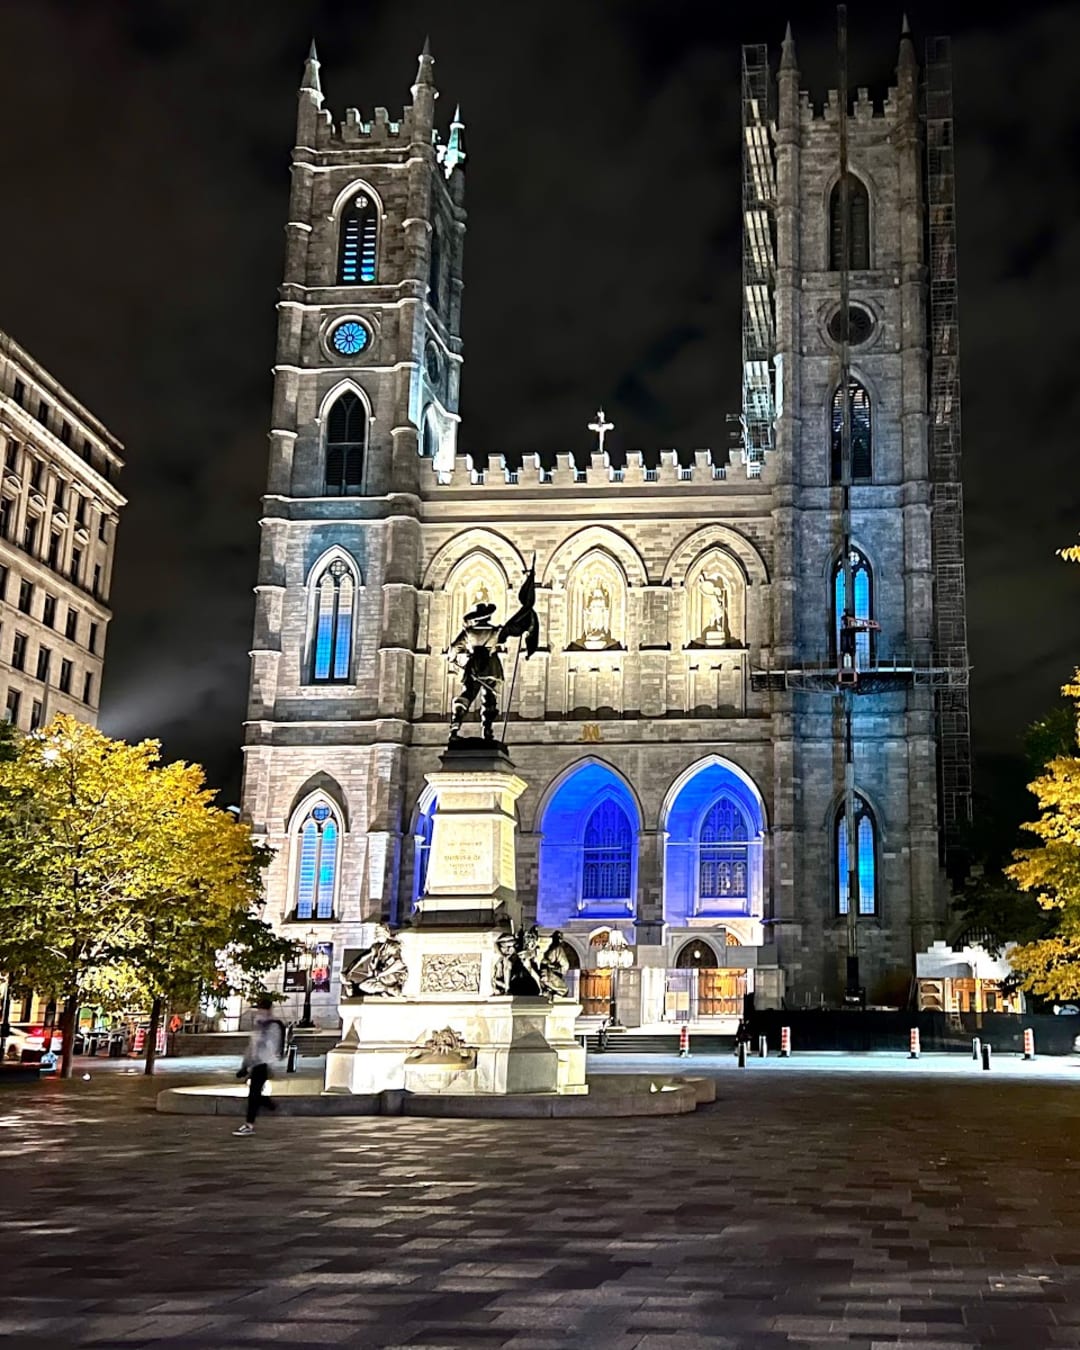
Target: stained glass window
point(723, 853)
point(335, 591)
point(607, 848)
point(359, 241)
point(862, 459)
point(858, 226)
point(862, 584)
point(317, 864)
point(866, 855)
point(346, 433)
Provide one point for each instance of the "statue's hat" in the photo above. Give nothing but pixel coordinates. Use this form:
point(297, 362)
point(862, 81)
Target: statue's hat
point(479, 612)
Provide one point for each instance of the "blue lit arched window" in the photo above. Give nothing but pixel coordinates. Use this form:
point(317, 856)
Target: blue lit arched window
point(607, 851)
point(346, 435)
point(319, 839)
point(425, 822)
point(862, 585)
point(358, 255)
point(866, 859)
point(862, 458)
point(332, 640)
point(723, 852)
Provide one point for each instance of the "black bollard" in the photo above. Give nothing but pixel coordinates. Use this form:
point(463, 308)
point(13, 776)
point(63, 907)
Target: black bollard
point(986, 1057)
point(742, 1054)
point(976, 1048)
point(291, 1058)
point(763, 1047)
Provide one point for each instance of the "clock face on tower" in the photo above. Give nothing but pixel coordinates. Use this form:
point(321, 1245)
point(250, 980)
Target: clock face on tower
point(350, 337)
point(433, 363)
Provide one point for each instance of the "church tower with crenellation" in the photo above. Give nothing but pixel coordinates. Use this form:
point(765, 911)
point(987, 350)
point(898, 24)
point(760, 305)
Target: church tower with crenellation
point(702, 721)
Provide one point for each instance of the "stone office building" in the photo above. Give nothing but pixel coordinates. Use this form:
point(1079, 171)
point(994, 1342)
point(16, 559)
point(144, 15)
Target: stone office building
point(59, 507)
point(679, 728)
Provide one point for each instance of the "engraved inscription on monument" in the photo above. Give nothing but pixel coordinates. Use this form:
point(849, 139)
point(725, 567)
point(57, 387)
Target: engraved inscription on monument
point(466, 857)
point(458, 974)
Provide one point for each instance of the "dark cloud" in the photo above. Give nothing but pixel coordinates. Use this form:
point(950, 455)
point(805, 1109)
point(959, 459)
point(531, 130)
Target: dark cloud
point(141, 242)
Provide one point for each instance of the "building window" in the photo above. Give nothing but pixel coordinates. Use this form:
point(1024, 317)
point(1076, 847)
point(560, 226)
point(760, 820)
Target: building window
point(7, 517)
point(92, 638)
point(48, 611)
point(11, 455)
point(80, 508)
point(44, 657)
point(76, 565)
point(11, 707)
point(72, 623)
point(319, 840)
point(866, 859)
point(65, 432)
point(103, 528)
point(87, 452)
point(37, 472)
point(20, 393)
point(97, 580)
point(18, 652)
point(36, 713)
point(862, 465)
point(54, 550)
point(430, 445)
point(359, 241)
point(723, 862)
point(88, 688)
point(859, 644)
point(858, 226)
point(346, 432)
point(607, 852)
point(65, 677)
point(26, 596)
point(30, 534)
point(43, 412)
point(3, 582)
point(335, 592)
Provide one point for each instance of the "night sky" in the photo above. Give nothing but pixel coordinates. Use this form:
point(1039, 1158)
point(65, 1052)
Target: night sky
point(146, 147)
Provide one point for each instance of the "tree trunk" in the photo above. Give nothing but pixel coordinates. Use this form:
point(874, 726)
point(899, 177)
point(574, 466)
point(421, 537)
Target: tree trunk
point(156, 1009)
point(69, 1021)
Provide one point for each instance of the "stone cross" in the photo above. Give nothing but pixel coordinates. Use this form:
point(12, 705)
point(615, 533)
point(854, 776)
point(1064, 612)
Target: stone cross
point(601, 426)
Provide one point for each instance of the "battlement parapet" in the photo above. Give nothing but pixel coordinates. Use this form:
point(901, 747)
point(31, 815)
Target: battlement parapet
point(664, 469)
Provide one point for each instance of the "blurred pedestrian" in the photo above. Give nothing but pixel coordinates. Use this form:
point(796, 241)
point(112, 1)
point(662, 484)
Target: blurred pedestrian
point(265, 1051)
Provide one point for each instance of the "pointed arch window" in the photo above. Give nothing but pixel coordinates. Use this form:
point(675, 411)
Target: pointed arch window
point(346, 435)
point(607, 851)
point(723, 862)
point(862, 585)
point(358, 253)
point(865, 859)
point(862, 460)
point(858, 226)
point(318, 856)
point(429, 446)
point(332, 640)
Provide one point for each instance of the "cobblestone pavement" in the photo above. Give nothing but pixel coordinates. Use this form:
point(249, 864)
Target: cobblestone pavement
point(801, 1210)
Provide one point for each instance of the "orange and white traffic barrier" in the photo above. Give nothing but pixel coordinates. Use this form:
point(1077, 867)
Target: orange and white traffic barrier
point(916, 1048)
point(785, 1042)
point(684, 1041)
point(1029, 1043)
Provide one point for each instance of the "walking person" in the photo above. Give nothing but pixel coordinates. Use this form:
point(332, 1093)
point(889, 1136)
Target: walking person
point(265, 1049)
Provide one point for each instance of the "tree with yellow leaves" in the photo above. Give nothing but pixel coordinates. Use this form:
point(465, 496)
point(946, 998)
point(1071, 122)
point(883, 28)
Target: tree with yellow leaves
point(119, 878)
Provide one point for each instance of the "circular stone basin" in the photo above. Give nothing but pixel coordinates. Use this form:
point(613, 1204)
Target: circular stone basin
point(613, 1094)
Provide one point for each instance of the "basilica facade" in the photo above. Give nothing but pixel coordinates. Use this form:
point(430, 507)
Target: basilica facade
point(680, 729)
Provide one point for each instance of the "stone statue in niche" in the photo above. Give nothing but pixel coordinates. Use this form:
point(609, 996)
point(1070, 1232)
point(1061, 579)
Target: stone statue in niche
point(714, 609)
point(596, 635)
point(381, 970)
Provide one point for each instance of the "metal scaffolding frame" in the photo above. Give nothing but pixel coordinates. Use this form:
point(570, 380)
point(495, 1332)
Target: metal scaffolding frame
point(947, 530)
point(759, 256)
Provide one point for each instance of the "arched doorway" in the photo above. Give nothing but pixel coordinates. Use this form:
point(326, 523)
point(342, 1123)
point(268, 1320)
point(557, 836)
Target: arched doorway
point(715, 990)
point(596, 984)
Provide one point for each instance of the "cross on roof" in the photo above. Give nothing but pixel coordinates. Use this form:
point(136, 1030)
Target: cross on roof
point(601, 426)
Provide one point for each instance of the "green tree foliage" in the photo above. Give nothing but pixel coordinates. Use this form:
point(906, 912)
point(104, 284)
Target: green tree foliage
point(120, 881)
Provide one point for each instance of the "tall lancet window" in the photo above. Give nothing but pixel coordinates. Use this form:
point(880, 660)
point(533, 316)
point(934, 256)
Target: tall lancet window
point(335, 594)
point(346, 434)
point(866, 859)
point(607, 848)
point(862, 458)
point(862, 585)
point(858, 226)
point(319, 842)
point(723, 853)
point(358, 255)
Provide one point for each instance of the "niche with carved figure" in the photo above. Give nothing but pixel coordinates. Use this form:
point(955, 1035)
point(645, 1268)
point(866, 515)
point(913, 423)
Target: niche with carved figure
point(715, 602)
point(596, 609)
point(476, 580)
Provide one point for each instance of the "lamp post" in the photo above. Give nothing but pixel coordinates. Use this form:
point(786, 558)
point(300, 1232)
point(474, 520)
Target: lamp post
point(614, 954)
point(310, 944)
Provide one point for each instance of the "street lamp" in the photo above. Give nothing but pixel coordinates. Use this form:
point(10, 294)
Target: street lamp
point(614, 954)
point(311, 943)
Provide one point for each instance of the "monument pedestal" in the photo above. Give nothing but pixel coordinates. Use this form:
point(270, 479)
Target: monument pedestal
point(451, 1029)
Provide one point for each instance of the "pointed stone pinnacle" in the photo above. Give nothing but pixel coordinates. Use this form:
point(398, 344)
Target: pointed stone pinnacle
point(313, 55)
point(311, 82)
point(427, 46)
point(787, 51)
point(456, 121)
point(425, 74)
point(905, 27)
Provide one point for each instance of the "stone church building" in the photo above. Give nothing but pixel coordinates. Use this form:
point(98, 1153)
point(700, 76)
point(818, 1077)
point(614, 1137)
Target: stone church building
point(681, 729)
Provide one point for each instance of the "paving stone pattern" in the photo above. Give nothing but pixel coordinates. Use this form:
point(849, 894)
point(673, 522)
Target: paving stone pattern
point(800, 1210)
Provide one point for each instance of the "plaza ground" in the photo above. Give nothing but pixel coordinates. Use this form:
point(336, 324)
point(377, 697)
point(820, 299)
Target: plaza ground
point(819, 1202)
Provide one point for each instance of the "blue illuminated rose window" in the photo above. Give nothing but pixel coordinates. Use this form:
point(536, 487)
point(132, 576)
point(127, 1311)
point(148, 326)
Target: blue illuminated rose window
point(349, 338)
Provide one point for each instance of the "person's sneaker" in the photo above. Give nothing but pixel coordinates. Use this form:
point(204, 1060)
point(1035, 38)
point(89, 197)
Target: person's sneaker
point(245, 1129)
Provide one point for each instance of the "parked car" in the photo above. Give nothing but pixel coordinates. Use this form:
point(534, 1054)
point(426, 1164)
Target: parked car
point(26, 1042)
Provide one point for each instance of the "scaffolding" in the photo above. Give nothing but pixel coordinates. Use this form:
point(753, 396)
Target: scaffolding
point(947, 530)
point(759, 256)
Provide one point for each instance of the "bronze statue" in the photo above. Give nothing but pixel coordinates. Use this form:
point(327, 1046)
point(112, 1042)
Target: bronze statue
point(381, 970)
point(521, 968)
point(554, 964)
point(475, 652)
